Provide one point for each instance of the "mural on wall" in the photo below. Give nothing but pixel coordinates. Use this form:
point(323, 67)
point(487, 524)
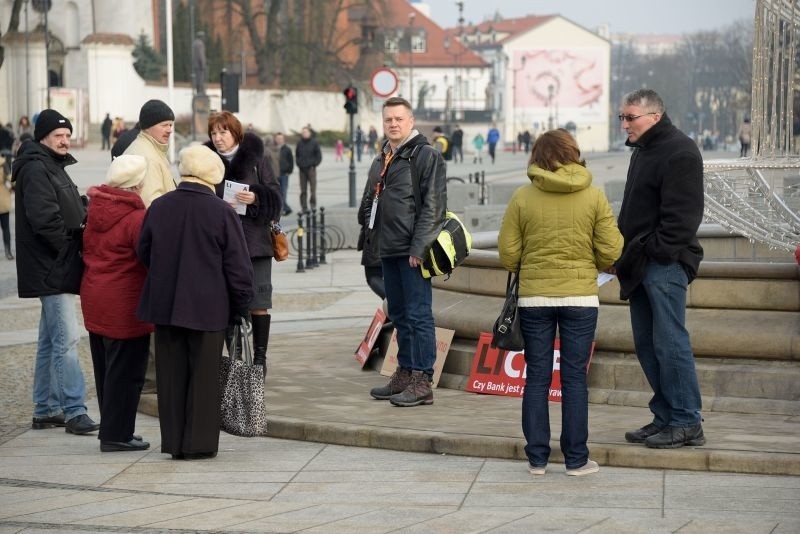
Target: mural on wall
point(570, 80)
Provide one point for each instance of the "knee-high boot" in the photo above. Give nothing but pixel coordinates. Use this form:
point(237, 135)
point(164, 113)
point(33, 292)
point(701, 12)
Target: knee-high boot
point(260, 339)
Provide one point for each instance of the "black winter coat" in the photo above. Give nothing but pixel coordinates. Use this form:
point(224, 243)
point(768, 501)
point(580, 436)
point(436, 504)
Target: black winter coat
point(199, 270)
point(48, 206)
point(285, 160)
point(250, 165)
point(307, 153)
point(662, 207)
point(404, 230)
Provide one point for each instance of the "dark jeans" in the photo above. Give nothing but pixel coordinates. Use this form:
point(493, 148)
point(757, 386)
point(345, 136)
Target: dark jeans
point(6, 229)
point(576, 327)
point(458, 154)
point(658, 316)
point(283, 180)
point(492, 147)
point(308, 179)
point(119, 367)
point(409, 298)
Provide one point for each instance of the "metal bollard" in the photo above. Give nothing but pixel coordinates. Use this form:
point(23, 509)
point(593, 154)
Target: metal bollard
point(309, 237)
point(314, 237)
point(483, 188)
point(322, 236)
point(300, 232)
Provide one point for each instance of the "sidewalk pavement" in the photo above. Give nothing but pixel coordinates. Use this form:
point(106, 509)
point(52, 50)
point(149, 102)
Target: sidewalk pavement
point(315, 479)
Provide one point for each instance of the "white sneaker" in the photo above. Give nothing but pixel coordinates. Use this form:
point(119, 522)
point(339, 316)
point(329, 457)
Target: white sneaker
point(586, 469)
point(537, 470)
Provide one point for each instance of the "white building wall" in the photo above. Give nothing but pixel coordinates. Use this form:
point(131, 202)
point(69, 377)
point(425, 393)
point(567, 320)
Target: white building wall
point(577, 63)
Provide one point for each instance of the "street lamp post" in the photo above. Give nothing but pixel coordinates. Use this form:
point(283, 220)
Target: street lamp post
point(550, 93)
point(411, 17)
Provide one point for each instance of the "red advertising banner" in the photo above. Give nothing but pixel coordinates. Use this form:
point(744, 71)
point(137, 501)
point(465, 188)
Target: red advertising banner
point(502, 372)
point(368, 343)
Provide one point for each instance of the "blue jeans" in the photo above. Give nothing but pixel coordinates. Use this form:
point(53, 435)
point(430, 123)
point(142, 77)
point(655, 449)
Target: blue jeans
point(576, 327)
point(283, 180)
point(409, 298)
point(58, 385)
point(658, 317)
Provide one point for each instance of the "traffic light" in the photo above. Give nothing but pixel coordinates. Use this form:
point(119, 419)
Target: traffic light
point(229, 83)
point(351, 102)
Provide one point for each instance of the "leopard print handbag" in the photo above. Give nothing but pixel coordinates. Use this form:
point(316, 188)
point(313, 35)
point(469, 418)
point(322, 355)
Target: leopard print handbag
point(243, 409)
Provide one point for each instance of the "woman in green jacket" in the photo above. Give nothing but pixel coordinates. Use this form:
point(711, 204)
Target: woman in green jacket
point(558, 232)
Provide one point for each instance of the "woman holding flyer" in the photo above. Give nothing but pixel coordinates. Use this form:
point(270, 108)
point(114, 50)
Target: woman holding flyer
point(558, 232)
point(250, 186)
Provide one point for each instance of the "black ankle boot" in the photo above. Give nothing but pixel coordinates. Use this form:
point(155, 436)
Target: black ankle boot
point(9, 255)
point(260, 339)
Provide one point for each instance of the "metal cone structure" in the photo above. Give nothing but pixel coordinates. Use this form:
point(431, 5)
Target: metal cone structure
point(759, 196)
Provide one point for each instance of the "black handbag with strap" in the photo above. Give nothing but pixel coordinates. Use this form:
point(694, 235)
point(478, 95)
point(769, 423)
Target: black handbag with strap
point(506, 332)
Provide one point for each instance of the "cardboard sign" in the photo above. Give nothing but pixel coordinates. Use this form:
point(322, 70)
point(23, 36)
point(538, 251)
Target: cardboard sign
point(368, 343)
point(502, 372)
point(444, 338)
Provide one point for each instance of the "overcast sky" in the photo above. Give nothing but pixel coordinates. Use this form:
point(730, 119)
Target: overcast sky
point(664, 16)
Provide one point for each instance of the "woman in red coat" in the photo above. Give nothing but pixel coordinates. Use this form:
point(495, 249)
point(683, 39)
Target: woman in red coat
point(112, 282)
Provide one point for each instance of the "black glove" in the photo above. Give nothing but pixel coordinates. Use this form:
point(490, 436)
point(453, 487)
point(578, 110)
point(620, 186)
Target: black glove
point(237, 317)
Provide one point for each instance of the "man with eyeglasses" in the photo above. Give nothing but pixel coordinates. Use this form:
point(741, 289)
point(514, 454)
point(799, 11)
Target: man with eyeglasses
point(661, 211)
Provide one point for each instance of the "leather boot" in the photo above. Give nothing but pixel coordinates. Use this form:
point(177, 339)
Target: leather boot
point(9, 255)
point(261, 339)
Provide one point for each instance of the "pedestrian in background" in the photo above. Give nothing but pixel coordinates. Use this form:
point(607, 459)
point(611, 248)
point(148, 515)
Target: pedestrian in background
point(457, 139)
point(105, 132)
point(744, 134)
point(557, 233)
point(5, 207)
point(478, 143)
point(191, 240)
point(372, 139)
point(285, 169)
point(112, 281)
point(662, 209)
point(308, 156)
point(492, 138)
point(405, 233)
point(246, 162)
point(48, 208)
point(359, 142)
point(24, 126)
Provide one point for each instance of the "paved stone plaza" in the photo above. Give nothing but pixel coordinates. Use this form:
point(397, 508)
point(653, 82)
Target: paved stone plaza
point(469, 479)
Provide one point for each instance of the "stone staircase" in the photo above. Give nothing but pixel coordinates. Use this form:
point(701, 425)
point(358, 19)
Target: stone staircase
point(743, 317)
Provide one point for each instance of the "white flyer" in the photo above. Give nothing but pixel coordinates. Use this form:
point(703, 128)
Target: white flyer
point(229, 196)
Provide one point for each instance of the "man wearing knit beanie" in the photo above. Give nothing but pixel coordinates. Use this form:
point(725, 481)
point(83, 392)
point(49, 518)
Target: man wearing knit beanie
point(49, 210)
point(156, 121)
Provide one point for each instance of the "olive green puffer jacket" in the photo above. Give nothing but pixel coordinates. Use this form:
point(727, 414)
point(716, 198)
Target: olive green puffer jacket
point(559, 231)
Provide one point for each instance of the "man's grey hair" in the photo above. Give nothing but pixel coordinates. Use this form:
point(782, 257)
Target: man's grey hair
point(647, 99)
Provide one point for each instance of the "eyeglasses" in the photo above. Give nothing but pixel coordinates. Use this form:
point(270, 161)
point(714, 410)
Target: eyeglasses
point(631, 118)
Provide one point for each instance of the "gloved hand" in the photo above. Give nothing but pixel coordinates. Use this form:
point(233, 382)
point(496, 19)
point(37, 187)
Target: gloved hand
point(238, 316)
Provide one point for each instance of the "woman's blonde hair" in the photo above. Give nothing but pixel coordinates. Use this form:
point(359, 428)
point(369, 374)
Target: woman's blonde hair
point(554, 149)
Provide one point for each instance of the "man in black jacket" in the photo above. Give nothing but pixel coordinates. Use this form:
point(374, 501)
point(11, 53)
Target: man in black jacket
point(308, 156)
point(661, 211)
point(48, 207)
point(285, 168)
point(405, 232)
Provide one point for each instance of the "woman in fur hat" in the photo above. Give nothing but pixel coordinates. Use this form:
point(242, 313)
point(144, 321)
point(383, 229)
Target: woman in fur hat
point(199, 280)
point(246, 162)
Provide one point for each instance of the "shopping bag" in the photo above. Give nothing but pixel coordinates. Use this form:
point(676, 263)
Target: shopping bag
point(243, 409)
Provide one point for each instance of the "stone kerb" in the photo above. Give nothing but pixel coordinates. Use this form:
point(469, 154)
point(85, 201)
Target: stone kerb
point(743, 318)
